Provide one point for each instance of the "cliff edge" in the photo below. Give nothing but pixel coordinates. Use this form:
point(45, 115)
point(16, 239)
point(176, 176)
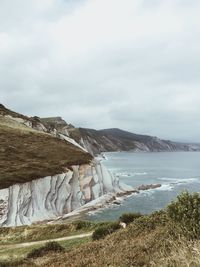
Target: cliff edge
point(44, 173)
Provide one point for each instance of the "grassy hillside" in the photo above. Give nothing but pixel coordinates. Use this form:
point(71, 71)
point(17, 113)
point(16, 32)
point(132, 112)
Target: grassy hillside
point(17, 256)
point(150, 241)
point(12, 253)
point(4, 111)
point(26, 154)
point(167, 238)
point(39, 232)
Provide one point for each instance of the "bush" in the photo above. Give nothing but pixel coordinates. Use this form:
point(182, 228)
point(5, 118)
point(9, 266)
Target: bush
point(48, 247)
point(82, 225)
point(186, 212)
point(129, 217)
point(105, 230)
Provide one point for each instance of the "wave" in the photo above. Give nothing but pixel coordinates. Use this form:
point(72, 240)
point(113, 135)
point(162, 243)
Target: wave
point(140, 173)
point(128, 174)
point(165, 187)
point(179, 180)
point(103, 156)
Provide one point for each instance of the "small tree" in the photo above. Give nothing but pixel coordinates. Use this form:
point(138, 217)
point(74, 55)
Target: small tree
point(186, 212)
point(129, 217)
point(83, 225)
point(105, 230)
point(48, 247)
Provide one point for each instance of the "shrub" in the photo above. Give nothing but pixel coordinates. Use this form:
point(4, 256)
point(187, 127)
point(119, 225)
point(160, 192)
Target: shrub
point(186, 212)
point(105, 230)
point(48, 247)
point(82, 224)
point(129, 217)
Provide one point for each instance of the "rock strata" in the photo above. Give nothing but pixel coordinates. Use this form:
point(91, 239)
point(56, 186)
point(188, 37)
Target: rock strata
point(147, 187)
point(51, 197)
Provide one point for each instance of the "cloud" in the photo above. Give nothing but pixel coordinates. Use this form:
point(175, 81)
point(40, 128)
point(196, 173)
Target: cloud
point(104, 63)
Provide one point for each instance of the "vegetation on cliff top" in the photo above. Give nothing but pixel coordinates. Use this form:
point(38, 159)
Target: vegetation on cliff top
point(27, 154)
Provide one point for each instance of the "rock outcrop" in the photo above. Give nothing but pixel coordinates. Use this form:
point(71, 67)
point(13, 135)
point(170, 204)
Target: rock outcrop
point(50, 148)
point(44, 173)
point(53, 196)
point(149, 186)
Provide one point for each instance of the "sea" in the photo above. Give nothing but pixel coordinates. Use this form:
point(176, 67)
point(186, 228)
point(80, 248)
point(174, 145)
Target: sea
point(175, 171)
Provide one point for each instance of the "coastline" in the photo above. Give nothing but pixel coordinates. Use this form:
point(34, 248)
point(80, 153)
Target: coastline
point(108, 200)
point(104, 202)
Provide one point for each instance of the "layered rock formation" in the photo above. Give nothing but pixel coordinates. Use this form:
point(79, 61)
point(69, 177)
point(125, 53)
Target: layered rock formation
point(53, 196)
point(32, 148)
point(98, 141)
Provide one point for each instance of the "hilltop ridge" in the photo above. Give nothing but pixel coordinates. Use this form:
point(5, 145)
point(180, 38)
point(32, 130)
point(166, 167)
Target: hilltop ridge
point(114, 139)
point(45, 174)
point(28, 150)
point(105, 140)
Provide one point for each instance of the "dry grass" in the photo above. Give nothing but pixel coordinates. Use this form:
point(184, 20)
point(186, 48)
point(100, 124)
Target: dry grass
point(4, 111)
point(38, 232)
point(12, 235)
point(150, 241)
point(26, 155)
point(18, 256)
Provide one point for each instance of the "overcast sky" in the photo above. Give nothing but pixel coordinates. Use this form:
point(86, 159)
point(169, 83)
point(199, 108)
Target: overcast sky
point(131, 64)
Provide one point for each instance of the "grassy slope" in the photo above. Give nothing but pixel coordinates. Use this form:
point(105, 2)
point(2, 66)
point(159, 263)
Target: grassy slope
point(4, 111)
point(150, 241)
point(37, 232)
point(13, 257)
point(153, 240)
point(16, 235)
point(26, 154)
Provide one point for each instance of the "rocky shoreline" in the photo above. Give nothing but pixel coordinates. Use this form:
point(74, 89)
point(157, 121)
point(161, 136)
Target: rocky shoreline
point(138, 189)
point(104, 201)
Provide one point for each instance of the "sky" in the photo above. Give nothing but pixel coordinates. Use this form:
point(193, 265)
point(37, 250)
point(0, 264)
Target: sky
point(129, 64)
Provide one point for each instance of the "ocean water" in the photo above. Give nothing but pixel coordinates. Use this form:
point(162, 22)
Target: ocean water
point(177, 171)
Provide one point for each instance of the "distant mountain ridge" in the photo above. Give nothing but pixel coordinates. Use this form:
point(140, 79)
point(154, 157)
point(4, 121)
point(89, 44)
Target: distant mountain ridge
point(106, 140)
point(118, 140)
point(46, 170)
point(114, 139)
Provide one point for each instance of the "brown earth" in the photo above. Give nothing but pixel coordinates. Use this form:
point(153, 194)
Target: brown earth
point(26, 154)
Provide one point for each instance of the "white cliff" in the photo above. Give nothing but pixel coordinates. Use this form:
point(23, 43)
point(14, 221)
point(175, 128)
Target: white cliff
point(53, 196)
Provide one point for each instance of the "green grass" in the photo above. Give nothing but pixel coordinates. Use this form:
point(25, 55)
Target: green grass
point(70, 244)
point(150, 240)
point(7, 254)
point(17, 255)
point(14, 235)
point(20, 234)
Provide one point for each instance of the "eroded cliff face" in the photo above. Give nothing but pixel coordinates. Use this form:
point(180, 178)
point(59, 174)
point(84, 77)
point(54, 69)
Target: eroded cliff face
point(32, 148)
point(53, 196)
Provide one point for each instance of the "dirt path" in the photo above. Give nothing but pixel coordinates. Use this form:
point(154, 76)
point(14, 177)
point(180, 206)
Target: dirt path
point(29, 244)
